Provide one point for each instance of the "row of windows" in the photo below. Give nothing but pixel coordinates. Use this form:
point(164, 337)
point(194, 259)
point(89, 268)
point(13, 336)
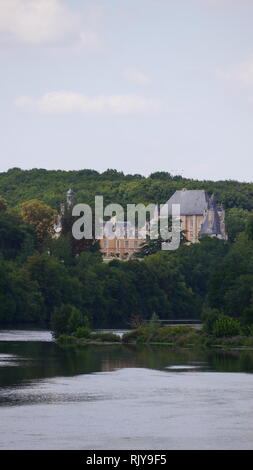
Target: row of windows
point(122, 244)
point(194, 221)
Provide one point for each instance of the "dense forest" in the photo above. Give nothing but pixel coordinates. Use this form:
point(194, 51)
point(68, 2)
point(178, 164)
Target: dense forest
point(18, 186)
point(43, 281)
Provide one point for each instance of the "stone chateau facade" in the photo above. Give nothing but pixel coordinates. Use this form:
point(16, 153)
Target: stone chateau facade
point(200, 215)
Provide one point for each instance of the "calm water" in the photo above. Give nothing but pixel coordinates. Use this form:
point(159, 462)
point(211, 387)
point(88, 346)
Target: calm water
point(121, 397)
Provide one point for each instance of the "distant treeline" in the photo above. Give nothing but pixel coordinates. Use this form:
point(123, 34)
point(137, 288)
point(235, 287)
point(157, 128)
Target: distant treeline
point(17, 186)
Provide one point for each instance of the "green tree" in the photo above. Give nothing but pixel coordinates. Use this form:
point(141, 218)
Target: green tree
point(236, 222)
point(154, 324)
point(56, 285)
point(66, 319)
point(3, 204)
point(209, 317)
point(20, 298)
point(249, 227)
point(17, 239)
point(226, 326)
point(77, 246)
point(40, 215)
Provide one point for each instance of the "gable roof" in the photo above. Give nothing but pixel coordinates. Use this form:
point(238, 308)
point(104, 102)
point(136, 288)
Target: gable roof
point(192, 202)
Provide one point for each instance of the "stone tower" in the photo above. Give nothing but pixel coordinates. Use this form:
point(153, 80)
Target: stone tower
point(212, 220)
point(70, 197)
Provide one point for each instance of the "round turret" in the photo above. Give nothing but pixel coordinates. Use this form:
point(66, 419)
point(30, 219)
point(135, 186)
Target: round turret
point(70, 197)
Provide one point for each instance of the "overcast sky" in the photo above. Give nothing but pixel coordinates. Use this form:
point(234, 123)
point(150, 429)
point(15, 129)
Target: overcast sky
point(136, 85)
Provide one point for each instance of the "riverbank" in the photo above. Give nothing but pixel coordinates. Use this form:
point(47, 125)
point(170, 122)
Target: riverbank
point(186, 337)
point(171, 336)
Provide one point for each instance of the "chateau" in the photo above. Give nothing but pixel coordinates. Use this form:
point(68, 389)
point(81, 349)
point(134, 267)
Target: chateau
point(200, 215)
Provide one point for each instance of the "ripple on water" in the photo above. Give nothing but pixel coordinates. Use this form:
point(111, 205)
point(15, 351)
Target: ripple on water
point(8, 360)
point(184, 367)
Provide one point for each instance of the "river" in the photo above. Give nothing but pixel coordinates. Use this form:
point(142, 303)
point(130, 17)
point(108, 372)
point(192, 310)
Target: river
point(122, 397)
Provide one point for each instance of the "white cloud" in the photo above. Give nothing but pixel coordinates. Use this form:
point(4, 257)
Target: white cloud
point(90, 41)
point(64, 102)
point(36, 21)
point(39, 22)
point(241, 73)
point(137, 76)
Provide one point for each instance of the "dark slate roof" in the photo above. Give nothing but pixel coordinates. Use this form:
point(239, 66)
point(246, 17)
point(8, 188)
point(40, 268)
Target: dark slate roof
point(213, 201)
point(192, 202)
point(212, 228)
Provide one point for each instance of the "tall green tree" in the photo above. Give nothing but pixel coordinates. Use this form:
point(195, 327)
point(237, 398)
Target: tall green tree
point(41, 216)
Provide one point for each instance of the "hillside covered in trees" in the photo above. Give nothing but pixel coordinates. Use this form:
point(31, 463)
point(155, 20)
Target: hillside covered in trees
point(42, 281)
point(18, 186)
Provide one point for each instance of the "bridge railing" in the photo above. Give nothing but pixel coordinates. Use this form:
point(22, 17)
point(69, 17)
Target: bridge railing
point(181, 320)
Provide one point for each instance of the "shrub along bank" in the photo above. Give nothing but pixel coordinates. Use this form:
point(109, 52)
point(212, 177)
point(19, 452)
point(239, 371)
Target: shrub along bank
point(223, 332)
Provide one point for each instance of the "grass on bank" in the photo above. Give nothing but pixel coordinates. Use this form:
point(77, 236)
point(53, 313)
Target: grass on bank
point(172, 336)
point(218, 330)
point(88, 337)
point(185, 337)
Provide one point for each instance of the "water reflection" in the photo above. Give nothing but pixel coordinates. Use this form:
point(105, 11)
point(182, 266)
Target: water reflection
point(39, 360)
point(123, 396)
